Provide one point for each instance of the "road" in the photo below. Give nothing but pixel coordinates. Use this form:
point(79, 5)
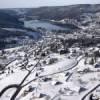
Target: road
point(84, 97)
point(73, 66)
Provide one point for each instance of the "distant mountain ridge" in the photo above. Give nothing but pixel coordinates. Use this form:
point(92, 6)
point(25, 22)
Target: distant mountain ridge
point(53, 12)
point(61, 12)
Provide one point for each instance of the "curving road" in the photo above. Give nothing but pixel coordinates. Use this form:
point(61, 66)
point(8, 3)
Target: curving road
point(77, 62)
point(84, 97)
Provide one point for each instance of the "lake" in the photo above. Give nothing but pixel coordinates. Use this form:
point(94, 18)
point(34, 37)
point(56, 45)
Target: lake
point(43, 24)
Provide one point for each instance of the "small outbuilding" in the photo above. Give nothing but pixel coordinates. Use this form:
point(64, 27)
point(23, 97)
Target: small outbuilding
point(97, 65)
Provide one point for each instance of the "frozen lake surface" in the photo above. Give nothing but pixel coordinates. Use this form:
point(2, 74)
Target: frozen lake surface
point(43, 24)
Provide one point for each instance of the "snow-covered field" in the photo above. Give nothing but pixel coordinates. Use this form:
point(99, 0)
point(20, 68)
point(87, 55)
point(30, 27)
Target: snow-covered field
point(54, 77)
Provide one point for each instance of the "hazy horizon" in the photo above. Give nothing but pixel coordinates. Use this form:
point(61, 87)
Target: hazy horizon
point(42, 3)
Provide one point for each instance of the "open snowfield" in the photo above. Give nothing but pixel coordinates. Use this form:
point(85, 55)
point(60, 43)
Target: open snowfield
point(63, 78)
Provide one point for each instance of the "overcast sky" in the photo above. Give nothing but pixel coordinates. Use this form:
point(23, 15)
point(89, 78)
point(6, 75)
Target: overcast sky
point(38, 3)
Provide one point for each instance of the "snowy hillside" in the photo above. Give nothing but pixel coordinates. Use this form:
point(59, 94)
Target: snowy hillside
point(53, 55)
point(39, 74)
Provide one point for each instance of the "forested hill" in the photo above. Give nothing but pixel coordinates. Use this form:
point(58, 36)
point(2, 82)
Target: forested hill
point(8, 19)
